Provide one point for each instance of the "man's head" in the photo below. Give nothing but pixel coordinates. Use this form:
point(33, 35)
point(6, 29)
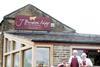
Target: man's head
point(83, 55)
point(75, 52)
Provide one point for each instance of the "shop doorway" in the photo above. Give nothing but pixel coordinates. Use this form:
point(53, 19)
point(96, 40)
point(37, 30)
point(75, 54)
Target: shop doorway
point(93, 54)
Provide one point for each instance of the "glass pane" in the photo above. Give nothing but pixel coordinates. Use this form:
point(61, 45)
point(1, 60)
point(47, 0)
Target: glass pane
point(17, 45)
point(28, 58)
point(14, 43)
point(8, 45)
point(6, 42)
point(8, 61)
point(80, 51)
point(42, 57)
point(16, 60)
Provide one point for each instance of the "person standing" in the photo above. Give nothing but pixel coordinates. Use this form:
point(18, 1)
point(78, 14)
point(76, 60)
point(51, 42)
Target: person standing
point(75, 60)
point(86, 61)
point(63, 63)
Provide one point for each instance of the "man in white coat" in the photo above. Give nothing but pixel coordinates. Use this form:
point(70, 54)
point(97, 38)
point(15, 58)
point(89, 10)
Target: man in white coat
point(86, 61)
point(75, 60)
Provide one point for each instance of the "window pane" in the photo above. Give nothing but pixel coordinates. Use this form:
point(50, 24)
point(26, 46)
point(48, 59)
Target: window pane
point(17, 45)
point(8, 45)
point(16, 60)
point(14, 43)
point(42, 57)
point(8, 61)
point(6, 41)
point(28, 58)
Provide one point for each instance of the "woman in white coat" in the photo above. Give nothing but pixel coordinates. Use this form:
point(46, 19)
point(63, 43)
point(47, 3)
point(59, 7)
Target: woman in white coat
point(86, 61)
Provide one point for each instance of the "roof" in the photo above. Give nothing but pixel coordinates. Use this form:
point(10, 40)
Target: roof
point(30, 10)
point(59, 37)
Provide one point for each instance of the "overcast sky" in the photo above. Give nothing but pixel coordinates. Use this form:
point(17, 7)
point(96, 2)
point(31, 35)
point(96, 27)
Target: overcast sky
point(82, 15)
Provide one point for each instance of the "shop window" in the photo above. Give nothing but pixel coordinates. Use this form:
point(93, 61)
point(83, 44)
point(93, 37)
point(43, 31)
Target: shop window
point(42, 57)
point(28, 58)
point(8, 61)
point(16, 60)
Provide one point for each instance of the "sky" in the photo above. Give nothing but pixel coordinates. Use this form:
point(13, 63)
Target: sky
point(81, 15)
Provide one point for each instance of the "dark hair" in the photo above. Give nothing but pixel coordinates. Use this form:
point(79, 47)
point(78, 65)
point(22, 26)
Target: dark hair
point(61, 66)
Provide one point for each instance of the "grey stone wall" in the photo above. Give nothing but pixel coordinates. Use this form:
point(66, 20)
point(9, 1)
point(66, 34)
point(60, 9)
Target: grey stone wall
point(60, 52)
point(30, 10)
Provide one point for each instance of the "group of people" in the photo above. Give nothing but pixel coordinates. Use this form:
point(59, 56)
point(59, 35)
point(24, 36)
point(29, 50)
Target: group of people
point(77, 61)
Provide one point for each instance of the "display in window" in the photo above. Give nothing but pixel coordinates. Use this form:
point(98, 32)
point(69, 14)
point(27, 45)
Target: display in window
point(42, 57)
point(8, 61)
point(28, 58)
point(16, 60)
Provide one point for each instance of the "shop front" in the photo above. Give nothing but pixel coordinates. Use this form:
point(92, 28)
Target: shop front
point(32, 38)
point(22, 51)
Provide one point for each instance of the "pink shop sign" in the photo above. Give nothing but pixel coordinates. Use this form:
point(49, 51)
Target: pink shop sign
point(32, 23)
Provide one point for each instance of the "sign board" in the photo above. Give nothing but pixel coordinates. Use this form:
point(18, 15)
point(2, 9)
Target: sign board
point(32, 23)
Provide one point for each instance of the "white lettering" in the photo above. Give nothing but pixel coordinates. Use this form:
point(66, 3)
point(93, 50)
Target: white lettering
point(20, 22)
point(36, 23)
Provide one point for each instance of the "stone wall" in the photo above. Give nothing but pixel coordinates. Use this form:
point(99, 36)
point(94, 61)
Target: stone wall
point(60, 52)
point(30, 10)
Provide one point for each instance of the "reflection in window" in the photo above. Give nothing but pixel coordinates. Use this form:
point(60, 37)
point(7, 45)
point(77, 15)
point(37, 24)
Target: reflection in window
point(8, 45)
point(42, 57)
point(6, 42)
point(16, 60)
point(8, 61)
point(14, 43)
point(28, 58)
point(17, 45)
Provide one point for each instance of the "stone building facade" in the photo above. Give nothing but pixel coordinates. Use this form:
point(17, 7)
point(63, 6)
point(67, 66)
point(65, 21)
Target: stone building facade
point(51, 46)
point(8, 23)
point(61, 52)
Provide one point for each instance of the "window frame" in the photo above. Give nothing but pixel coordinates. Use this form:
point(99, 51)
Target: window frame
point(23, 55)
point(12, 52)
point(45, 45)
point(27, 45)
